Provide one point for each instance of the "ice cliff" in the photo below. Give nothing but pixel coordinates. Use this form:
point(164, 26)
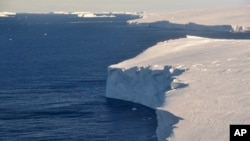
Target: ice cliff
point(189, 26)
point(186, 82)
point(198, 86)
point(146, 85)
point(192, 26)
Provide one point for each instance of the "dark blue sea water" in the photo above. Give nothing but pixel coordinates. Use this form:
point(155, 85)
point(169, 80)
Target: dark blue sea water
point(53, 71)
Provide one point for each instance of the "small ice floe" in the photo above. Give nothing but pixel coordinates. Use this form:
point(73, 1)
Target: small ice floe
point(10, 39)
point(45, 34)
point(134, 109)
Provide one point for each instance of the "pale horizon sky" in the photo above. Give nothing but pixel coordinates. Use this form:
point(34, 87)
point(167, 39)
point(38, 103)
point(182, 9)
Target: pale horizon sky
point(113, 5)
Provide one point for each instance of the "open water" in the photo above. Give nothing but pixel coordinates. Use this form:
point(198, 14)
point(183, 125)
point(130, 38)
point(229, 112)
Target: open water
point(53, 71)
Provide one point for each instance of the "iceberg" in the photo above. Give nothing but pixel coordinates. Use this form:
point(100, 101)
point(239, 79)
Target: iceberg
point(7, 14)
point(94, 15)
point(198, 86)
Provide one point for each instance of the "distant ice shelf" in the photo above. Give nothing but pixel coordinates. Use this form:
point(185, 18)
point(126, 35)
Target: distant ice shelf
point(82, 14)
point(234, 19)
point(191, 26)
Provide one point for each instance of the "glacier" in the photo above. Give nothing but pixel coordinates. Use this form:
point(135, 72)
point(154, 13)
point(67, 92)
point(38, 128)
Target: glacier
point(198, 86)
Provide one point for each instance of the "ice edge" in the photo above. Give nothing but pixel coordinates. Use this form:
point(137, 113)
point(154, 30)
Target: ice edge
point(191, 26)
point(147, 85)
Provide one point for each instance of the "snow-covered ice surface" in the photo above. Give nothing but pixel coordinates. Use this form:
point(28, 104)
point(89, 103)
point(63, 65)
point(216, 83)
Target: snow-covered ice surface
point(198, 86)
point(236, 17)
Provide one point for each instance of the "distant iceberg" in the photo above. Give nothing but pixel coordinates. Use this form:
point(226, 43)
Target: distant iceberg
point(93, 15)
point(7, 14)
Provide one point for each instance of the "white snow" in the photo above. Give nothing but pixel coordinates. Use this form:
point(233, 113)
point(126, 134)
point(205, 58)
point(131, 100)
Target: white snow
point(198, 86)
point(238, 18)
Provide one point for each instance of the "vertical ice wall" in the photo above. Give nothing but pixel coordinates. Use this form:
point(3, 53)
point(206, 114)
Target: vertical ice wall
point(146, 85)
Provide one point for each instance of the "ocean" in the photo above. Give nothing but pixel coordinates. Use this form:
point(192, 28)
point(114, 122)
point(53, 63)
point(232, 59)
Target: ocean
point(53, 71)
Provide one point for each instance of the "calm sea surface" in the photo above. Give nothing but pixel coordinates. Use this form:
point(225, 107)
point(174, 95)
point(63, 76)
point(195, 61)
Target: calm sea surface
point(53, 71)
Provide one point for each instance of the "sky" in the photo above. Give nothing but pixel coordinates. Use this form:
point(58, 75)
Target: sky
point(113, 5)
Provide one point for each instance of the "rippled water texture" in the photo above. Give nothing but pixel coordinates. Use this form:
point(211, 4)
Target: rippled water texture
point(53, 75)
